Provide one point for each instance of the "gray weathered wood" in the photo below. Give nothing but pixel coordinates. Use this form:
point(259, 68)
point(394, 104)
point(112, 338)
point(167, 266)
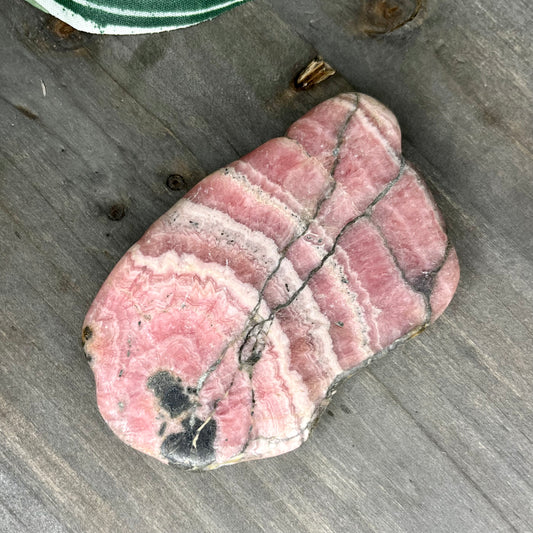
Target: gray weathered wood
point(437, 437)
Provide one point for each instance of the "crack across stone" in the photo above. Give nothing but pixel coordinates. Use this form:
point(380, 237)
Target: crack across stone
point(308, 278)
point(424, 295)
point(258, 331)
point(248, 327)
point(325, 196)
point(336, 152)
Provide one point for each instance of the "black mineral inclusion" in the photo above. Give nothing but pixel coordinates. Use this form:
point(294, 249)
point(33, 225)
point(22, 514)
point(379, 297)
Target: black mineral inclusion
point(169, 391)
point(193, 447)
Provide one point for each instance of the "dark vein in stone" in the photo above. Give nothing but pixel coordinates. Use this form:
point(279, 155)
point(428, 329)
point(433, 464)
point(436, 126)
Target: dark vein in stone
point(260, 329)
point(261, 325)
point(336, 152)
point(216, 363)
point(427, 304)
point(252, 411)
point(349, 224)
point(431, 274)
point(248, 326)
point(325, 196)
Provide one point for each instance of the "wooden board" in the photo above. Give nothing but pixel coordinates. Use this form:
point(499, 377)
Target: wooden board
point(436, 437)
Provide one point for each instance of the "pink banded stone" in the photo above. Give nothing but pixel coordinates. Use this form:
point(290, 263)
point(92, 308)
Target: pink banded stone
point(221, 335)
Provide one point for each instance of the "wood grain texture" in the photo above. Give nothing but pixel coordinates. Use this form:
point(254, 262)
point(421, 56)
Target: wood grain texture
point(436, 437)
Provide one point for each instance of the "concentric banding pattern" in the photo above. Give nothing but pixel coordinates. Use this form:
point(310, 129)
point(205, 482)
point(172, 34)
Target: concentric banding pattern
point(221, 334)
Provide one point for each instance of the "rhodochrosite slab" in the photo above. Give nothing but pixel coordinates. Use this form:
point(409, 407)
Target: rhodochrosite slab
point(222, 334)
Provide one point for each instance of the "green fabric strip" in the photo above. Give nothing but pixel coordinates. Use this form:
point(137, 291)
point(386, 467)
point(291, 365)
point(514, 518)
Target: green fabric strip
point(134, 16)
